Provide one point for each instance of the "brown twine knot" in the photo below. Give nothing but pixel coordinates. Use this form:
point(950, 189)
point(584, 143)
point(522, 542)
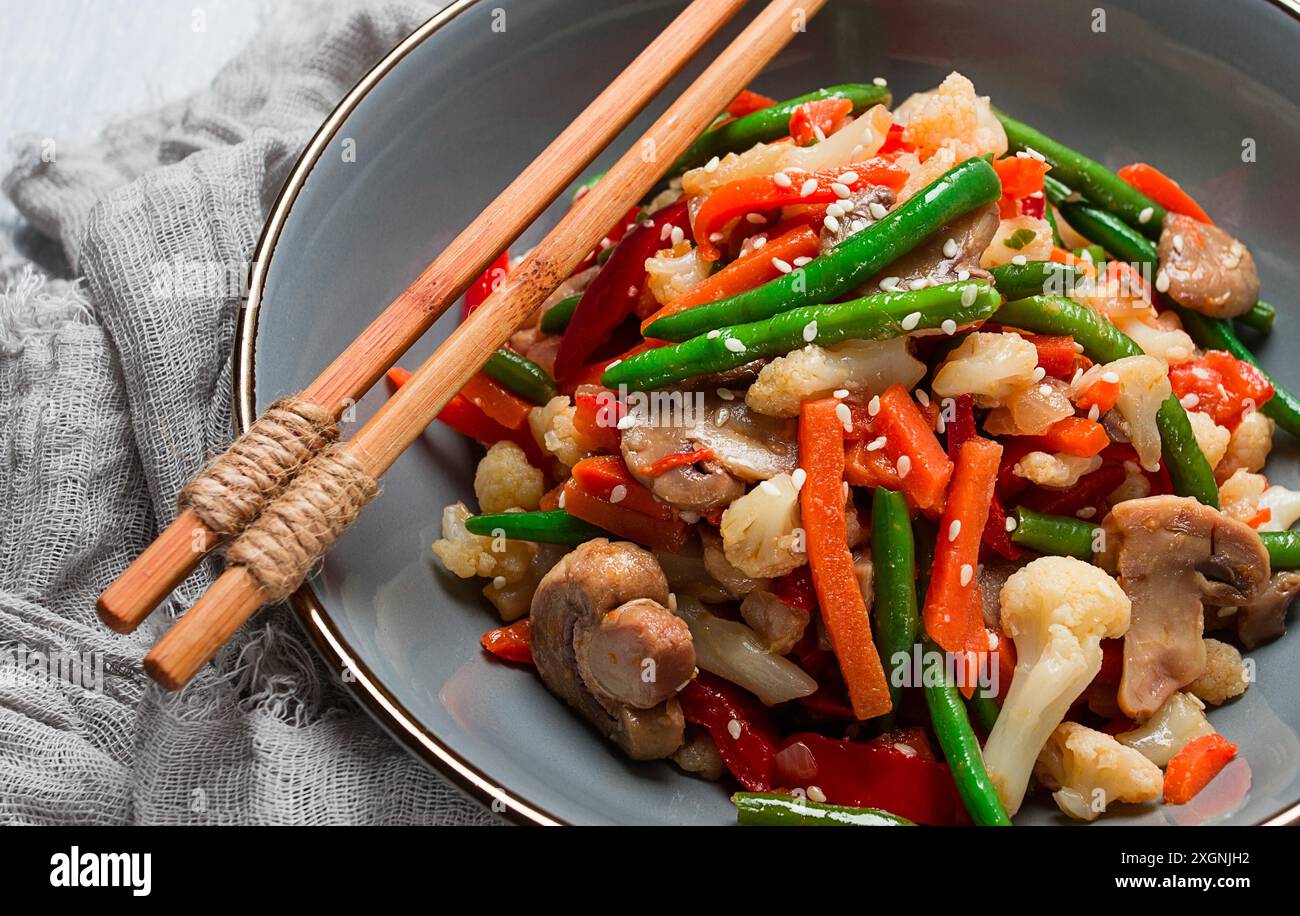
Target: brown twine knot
point(229, 493)
point(294, 531)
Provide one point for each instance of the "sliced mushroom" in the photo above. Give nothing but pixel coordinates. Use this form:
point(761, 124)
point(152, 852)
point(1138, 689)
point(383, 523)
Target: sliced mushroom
point(935, 261)
point(1208, 270)
point(605, 642)
point(747, 446)
point(1264, 619)
point(860, 211)
point(1173, 555)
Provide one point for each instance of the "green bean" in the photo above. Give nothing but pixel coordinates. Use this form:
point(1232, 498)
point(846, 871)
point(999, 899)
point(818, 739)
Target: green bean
point(878, 317)
point(772, 123)
point(1098, 183)
point(768, 809)
point(893, 554)
point(960, 190)
point(1100, 226)
point(1094, 253)
point(521, 375)
point(1057, 535)
point(1103, 342)
point(1050, 215)
point(1283, 548)
point(1259, 318)
point(962, 751)
point(556, 318)
point(1217, 334)
point(551, 527)
point(1033, 278)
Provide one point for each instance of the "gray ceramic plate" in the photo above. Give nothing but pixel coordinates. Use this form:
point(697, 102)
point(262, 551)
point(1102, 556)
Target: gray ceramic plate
point(453, 113)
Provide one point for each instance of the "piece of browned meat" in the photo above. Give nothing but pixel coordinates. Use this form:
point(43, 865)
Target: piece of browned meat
point(606, 643)
point(1208, 270)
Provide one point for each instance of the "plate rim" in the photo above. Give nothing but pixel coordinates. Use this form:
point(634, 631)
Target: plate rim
point(356, 676)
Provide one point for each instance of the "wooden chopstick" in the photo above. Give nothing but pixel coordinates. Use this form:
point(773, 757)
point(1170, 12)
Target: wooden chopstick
point(235, 596)
point(182, 545)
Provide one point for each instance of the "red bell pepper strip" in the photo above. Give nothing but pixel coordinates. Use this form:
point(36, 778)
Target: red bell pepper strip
point(795, 588)
point(821, 501)
point(954, 615)
point(1192, 768)
point(714, 704)
point(487, 283)
point(513, 642)
point(1221, 385)
point(468, 420)
point(816, 120)
point(397, 377)
point(1100, 394)
point(599, 475)
point(596, 413)
point(996, 536)
point(668, 462)
point(1022, 178)
point(1057, 355)
point(763, 193)
point(617, 518)
point(498, 402)
point(746, 272)
point(1076, 436)
point(871, 775)
point(749, 102)
point(614, 292)
point(612, 238)
point(894, 142)
point(962, 425)
point(922, 467)
point(1163, 190)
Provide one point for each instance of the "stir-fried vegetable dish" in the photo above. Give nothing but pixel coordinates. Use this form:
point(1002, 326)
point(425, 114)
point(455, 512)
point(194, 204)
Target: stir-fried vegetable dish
point(890, 467)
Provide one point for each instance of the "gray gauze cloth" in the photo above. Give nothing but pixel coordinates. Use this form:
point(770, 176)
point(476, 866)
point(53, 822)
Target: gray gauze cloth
point(112, 395)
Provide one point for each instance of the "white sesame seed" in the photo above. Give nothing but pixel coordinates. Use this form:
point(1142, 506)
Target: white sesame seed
point(726, 394)
point(831, 223)
point(626, 422)
point(1035, 154)
point(560, 502)
point(801, 260)
point(498, 582)
point(808, 187)
point(967, 573)
point(993, 640)
point(840, 393)
point(911, 321)
point(678, 236)
point(758, 242)
point(889, 284)
point(1145, 216)
point(963, 275)
point(1039, 373)
point(714, 333)
point(1094, 412)
point(665, 231)
point(815, 794)
point(755, 218)
point(939, 424)
point(919, 283)
point(733, 729)
point(612, 363)
point(1110, 377)
point(712, 164)
point(846, 416)
point(880, 81)
point(734, 345)
point(968, 296)
point(782, 180)
point(950, 248)
point(632, 291)
point(618, 494)
point(922, 397)
point(904, 466)
point(1178, 243)
point(798, 478)
point(877, 210)
point(873, 406)
point(876, 444)
point(836, 210)
point(1045, 390)
point(1087, 512)
point(810, 332)
point(949, 326)
point(1020, 260)
point(858, 225)
point(954, 529)
point(849, 177)
point(1162, 282)
point(1010, 524)
point(783, 266)
point(1190, 400)
point(819, 133)
point(716, 237)
point(841, 190)
point(770, 488)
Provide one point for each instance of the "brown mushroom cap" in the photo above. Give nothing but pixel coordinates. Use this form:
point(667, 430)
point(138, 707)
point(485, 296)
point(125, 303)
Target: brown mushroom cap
point(605, 642)
point(1173, 555)
point(972, 232)
point(1208, 270)
point(1264, 619)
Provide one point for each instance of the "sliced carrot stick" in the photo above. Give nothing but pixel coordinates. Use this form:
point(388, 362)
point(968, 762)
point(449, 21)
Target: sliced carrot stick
point(1101, 393)
point(601, 474)
point(821, 501)
point(668, 462)
point(921, 463)
point(1076, 436)
point(1163, 190)
point(953, 607)
point(498, 402)
point(397, 376)
point(1192, 768)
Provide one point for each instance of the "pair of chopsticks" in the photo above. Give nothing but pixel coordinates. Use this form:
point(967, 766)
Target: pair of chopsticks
point(235, 596)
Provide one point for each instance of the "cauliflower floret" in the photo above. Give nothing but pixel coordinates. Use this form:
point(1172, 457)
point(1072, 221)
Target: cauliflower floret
point(1178, 721)
point(952, 117)
point(1160, 337)
point(1283, 506)
point(469, 555)
point(760, 531)
point(811, 372)
point(552, 427)
point(1249, 445)
point(1225, 674)
point(673, 272)
point(505, 480)
point(922, 173)
point(1057, 609)
point(1058, 471)
point(1143, 387)
point(778, 624)
point(1020, 236)
point(1210, 436)
point(514, 599)
point(1239, 494)
point(1136, 485)
point(1086, 770)
point(993, 367)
